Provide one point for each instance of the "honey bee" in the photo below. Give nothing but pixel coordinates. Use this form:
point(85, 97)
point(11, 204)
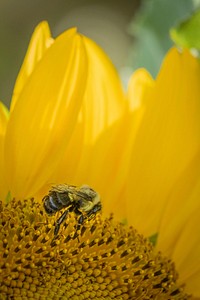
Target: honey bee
point(83, 201)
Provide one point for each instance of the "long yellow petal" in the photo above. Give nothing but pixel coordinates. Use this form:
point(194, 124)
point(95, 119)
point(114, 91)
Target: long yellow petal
point(140, 84)
point(40, 41)
point(182, 202)
point(103, 104)
point(168, 137)
point(140, 87)
point(187, 254)
point(118, 146)
point(104, 99)
point(45, 114)
point(105, 164)
point(4, 116)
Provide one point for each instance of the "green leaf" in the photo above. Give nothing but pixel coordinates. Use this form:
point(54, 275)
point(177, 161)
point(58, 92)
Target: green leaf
point(153, 239)
point(150, 28)
point(187, 33)
point(8, 197)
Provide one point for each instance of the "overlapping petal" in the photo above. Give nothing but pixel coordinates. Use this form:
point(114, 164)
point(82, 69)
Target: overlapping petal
point(4, 115)
point(182, 202)
point(186, 254)
point(166, 140)
point(45, 114)
point(104, 98)
point(105, 163)
point(110, 158)
point(179, 236)
point(104, 104)
point(39, 43)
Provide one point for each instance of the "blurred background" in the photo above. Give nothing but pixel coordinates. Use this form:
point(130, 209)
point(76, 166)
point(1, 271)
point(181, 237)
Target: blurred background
point(134, 33)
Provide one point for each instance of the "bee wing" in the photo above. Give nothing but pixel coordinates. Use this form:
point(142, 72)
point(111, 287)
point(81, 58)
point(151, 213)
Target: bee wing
point(82, 195)
point(63, 188)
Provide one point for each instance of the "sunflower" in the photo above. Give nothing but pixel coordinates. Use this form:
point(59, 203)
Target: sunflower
point(71, 122)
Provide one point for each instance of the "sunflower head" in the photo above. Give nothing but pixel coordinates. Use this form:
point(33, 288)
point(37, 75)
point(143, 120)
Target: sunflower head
point(102, 260)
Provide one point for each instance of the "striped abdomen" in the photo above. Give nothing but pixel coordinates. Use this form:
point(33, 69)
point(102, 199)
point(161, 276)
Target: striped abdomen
point(55, 201)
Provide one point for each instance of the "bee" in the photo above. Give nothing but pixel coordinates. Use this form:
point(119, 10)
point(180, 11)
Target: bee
point(83, 201)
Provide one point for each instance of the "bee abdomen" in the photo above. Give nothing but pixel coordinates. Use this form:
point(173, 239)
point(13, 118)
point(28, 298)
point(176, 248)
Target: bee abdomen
point(49, 205)
point(55, 201)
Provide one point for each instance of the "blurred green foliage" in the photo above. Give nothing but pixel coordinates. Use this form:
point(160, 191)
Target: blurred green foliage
point(150, 29)
point(187, 33)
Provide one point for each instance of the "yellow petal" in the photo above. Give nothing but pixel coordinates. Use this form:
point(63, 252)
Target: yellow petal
point(67, 170)
point(106, 172)
point(104, 99)
point(168, 137)
point(40, 41)
point(45, 114)
point(183, 201)
point(139, 86)
point(139, 89)
point(187, 254)
point(4, 115)
point(103, 104)
point(105, 164)
point(108, 162)
point(117, 145)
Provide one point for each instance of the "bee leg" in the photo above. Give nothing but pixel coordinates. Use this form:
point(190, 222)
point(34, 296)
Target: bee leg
point(78, 226)
point(80, 222)
point(60, 221)
point(92, 212)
